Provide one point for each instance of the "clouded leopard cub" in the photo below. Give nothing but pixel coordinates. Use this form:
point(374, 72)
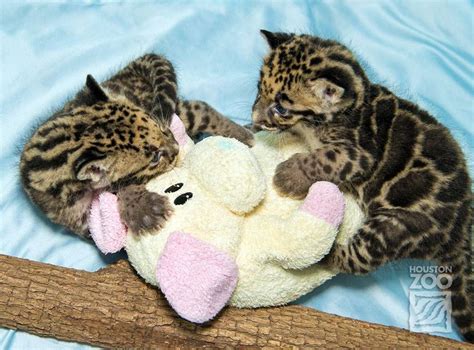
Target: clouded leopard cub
point(405, 167)
point(114, 137)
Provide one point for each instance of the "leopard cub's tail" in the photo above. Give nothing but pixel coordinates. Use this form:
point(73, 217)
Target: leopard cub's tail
point(461, 287)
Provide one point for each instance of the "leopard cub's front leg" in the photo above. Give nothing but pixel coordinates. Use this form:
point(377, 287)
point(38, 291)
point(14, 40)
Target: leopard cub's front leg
point(198, 116)
point(295, 176)
point(143, 211)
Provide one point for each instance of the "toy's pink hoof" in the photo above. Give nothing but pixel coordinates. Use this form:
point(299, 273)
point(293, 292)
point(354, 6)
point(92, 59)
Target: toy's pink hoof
point(325, 201)
point(196, 278)
point(105, 226)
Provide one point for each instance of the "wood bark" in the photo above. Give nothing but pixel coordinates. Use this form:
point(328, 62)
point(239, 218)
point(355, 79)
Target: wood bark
point(114, 308)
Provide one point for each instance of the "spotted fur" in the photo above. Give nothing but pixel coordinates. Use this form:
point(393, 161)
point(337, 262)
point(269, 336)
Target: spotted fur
point(406, 169)
point(115, 137)
point(200, 118)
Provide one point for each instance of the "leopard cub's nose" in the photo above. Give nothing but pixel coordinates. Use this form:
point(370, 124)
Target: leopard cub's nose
point(170, 153)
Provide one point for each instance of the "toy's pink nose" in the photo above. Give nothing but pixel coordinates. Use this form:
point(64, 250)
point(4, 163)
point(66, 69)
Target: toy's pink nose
point(196, 278)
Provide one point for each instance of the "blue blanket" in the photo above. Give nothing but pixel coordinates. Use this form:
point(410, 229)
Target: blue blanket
point(422, 50)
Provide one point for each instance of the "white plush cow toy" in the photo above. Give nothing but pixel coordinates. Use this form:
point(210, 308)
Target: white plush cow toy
point(232, 239)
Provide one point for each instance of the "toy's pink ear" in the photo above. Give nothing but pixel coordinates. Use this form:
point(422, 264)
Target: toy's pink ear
point(179, 131)
point(196, 278)
point(105, 226)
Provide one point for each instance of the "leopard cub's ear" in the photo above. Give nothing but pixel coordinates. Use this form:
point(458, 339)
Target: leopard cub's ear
point(275, 39)
point(91, 165)
point(95, 90)
point(326, 91)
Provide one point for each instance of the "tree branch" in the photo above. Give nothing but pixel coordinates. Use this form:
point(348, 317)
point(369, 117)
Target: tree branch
point(114, 308)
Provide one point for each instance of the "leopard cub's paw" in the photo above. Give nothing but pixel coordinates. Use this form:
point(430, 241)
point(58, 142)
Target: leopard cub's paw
point(290, 180)
point(143, 211)
point(247, 138)
point(242, 134)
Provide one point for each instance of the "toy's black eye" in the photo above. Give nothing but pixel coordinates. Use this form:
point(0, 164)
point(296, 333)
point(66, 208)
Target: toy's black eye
point(180, 200)
point(156, 158)
point(174, 188)
point(279, 109)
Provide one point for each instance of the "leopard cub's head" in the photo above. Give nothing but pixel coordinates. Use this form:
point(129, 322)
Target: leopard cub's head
point(306, 78)
point(123, 144)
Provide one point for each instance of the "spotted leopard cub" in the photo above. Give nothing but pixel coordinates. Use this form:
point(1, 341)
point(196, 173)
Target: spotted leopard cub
point(114, 137)
point(406, 169)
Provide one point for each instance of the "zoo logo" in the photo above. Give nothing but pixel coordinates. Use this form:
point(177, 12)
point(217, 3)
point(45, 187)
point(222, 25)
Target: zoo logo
point(430, 302)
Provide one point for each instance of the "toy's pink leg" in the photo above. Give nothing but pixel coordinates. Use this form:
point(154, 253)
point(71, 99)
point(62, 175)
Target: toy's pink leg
point(196, 278)
point(105, 226)
point(325, 201)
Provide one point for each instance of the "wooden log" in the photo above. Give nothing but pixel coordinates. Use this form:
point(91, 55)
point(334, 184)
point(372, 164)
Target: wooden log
point(114, 308)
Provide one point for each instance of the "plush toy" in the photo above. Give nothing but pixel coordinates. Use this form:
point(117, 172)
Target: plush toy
point(232, 239)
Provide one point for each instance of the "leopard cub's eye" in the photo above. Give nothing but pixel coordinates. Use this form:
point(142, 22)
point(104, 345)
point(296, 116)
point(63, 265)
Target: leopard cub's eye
point(156, 158)
point(279, 109)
